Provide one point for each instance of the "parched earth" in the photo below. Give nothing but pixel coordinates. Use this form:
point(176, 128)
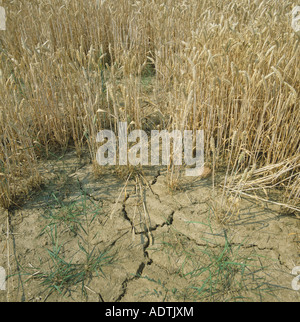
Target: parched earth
point(143, 242)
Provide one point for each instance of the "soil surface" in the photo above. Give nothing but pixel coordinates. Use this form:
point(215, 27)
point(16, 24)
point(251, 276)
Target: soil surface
point(153, 244)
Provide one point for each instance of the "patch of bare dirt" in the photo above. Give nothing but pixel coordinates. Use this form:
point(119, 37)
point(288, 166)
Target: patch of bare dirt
point(158, 245)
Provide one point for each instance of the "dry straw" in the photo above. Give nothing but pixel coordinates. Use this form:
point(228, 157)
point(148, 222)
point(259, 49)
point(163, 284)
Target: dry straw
point(62, 61)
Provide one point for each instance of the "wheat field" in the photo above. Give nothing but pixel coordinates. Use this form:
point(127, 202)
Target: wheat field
point(71, 68)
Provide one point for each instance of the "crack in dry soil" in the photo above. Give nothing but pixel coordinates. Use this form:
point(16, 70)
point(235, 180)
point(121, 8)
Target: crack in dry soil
point(144, 233)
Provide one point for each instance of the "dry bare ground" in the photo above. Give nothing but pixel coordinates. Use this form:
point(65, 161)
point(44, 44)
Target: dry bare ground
point(176, 250)
point(71, 230)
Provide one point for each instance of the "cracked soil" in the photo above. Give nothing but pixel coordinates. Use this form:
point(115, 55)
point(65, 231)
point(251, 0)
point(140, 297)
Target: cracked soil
point(165, 246)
